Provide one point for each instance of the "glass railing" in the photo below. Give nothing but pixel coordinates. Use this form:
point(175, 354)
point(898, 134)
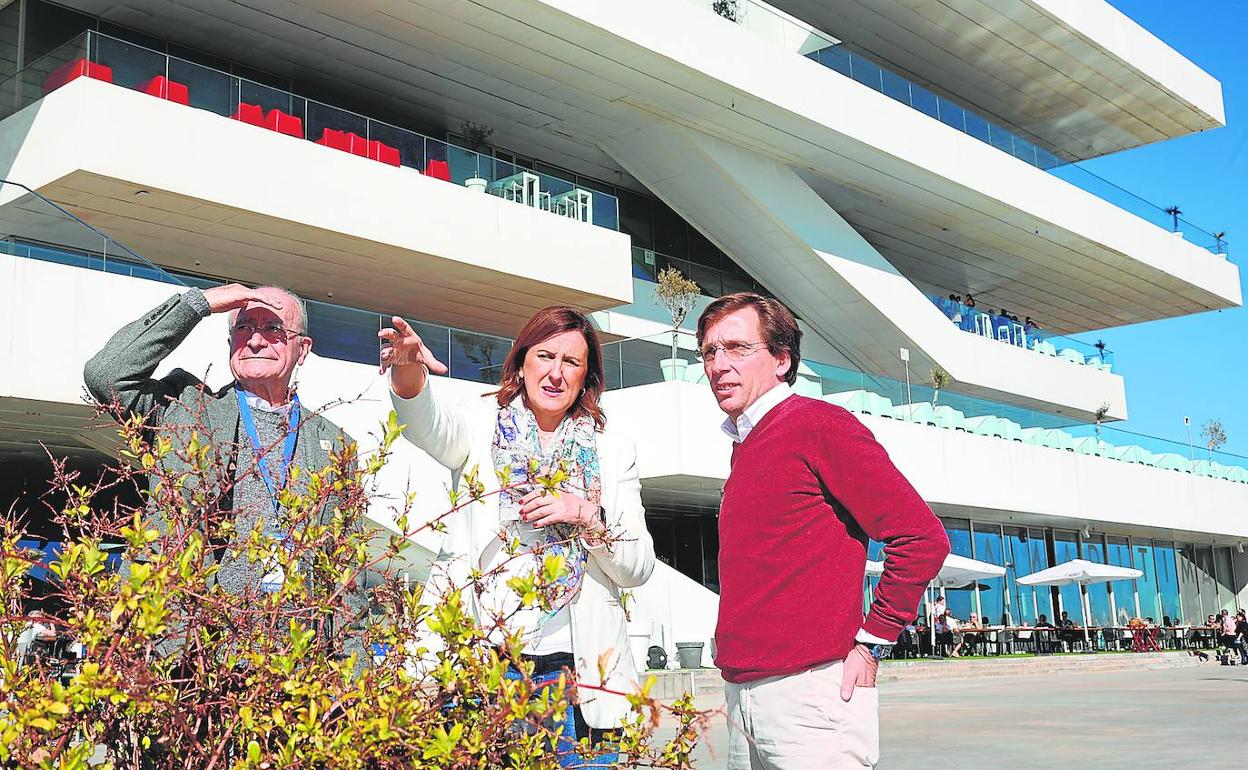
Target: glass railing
point(713, 281)
point(132, 66)
point(350, 334)
point(1021, 334)
point(798, 37)
point(648, 360)
point(340, 333)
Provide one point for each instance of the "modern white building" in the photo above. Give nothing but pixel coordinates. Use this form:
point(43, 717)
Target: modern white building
point(464, 163)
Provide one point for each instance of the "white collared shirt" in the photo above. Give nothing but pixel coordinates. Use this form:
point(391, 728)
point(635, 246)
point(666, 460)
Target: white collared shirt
point(755, 412)
point(259, 402)
point(739, 429)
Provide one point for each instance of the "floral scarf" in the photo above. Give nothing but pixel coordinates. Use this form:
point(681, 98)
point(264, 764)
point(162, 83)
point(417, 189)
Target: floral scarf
point(519, 461)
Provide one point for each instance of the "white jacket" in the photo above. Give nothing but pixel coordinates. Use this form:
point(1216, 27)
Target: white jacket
point(460, 436)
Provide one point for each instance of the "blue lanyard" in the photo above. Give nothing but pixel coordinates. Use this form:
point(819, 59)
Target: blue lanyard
point(288, 452)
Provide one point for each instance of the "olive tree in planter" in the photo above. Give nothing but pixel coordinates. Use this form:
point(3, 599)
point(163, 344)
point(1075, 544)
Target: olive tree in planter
point(1099, 416)
point(1175, 212)
point(1213, 434)
point(940, 380)
point(477, 135)
point(677, 294)
point(729, 9)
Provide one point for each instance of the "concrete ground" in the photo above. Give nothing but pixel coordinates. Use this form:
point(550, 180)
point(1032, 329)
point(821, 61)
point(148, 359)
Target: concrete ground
point(1116, 719)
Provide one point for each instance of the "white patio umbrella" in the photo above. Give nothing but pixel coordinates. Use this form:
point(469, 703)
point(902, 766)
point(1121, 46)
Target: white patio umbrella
point(955, 572)
point(1082, 573)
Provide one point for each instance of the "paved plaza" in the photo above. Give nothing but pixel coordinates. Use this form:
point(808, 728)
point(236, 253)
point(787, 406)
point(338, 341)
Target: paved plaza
point(1117, 719)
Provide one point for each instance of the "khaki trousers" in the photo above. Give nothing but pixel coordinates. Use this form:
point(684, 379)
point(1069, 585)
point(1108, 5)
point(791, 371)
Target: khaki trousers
point(799, 722)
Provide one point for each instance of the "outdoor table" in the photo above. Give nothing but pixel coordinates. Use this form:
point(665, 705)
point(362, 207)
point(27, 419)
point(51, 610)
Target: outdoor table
point(1041, 636)
point(1178, 637)
point(983, 632)
point(1204, 635)
point(1144, 639)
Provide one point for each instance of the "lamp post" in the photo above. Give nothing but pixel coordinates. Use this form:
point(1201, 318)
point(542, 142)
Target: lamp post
point(1191, 451)
point(905, 357)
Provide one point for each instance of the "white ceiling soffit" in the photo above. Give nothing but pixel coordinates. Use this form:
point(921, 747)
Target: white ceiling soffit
point(557, 88)
point(1076, 76)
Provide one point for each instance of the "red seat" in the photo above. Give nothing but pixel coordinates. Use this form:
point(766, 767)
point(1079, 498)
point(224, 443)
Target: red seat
point(347, 141)
point(356, 144)
point(77, 68)
point(378, 150)
point(439, 169)
point(283, 123)
point(165, 88)
point(331, 137)
point(249, 113)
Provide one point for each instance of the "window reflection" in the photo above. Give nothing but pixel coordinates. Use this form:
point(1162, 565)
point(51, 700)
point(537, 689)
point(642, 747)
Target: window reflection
point(1205, 579)
point(1065, 548)
point(1167, 580)
point(1098, 593)
point(960, 600)
point(1189, 586)
point(1225, 579)
point(990, 591)
point(1122, 592)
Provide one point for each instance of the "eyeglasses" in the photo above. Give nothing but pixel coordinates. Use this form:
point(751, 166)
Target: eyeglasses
point(269, 330)
point(735, 351)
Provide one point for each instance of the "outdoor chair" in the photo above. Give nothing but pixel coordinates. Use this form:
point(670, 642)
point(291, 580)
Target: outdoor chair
point(164, 88)
point(1005, 642)
point(76, 69)
point(1026, 641)
point(907, 645)
point(1046, 641)
point(1111, 638)
point(249, 113)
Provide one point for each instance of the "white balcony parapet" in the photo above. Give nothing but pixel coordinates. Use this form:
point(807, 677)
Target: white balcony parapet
point(192, 190)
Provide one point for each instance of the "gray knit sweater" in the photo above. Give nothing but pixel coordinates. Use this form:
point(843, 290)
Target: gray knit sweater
point(179, 403)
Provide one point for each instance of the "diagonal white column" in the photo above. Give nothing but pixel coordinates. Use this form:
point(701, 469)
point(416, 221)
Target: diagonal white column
point(764, 215)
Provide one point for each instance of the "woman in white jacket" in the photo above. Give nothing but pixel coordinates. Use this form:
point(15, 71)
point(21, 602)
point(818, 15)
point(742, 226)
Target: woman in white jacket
point(546, 409)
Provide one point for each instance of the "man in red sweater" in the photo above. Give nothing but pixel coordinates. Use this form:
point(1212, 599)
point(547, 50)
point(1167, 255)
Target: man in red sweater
point(809, 486)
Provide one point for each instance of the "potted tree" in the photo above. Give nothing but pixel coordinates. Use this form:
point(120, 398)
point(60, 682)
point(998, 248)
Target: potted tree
point(940, 379)
point(1099, 416)
point(477, 135)
point(1213, 434)
point(1100, 351)
point(1175, 212)
point(676, 294)
point(728, 9)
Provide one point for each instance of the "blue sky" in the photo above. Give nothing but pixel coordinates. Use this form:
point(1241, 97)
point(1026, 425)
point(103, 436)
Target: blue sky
point(1194, 365)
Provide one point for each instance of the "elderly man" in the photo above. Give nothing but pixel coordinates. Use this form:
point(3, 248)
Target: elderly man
point(809, 486)
point(256, 424)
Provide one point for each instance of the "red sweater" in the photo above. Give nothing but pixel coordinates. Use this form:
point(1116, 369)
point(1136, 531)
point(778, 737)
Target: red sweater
point(808, 487)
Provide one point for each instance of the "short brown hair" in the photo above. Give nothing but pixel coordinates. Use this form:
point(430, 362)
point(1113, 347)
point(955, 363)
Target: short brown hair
point(545, 324)
point(775, 321)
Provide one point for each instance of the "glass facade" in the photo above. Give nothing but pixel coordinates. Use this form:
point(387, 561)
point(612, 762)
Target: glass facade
point(687, 543)
point(1121, 592)
point(960, 600)
point(1161, 593)
point(1167, 582)
point(990, 592)
point(1189, 586)
point(1205, 580)
point(1026, 553)
point(1093, 549)
point(1065, 548)
point(1224, 576)
point(1148, 585)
